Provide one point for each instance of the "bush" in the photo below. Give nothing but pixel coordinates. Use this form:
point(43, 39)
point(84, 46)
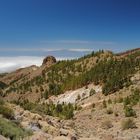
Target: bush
point(2, 85)
point(92, 92)
point(1, 101)
point(46, 94)
point(128, 124)
point(78, 108)
point(78, 97)
point(6, 112)
point(104, 104)
point(129, 112)
point(133, 99)
point(126, 101)
point(120, 100)
point(11, 130)
point(109, 101)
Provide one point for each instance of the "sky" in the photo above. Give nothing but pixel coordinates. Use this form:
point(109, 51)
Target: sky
point(33, 29)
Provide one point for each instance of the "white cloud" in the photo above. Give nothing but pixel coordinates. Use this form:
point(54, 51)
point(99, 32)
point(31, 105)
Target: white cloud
point(81, 50)
point(78, 42)
point(45, 49)
point(8, 64)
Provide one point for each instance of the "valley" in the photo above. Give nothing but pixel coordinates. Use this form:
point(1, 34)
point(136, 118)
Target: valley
point(95, 97)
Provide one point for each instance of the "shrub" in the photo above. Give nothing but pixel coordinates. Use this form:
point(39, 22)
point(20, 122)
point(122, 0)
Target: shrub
point(11, 130)
point(120, 100)
point(109, 101)
point(6, 112)
point(68, 111)
point(126, 101)
point(46, 94)
point(104, 104)
point(78, 97)
point(2, 85)
point(129, 112)
point(133, 99)
point(92, 92)
point(78, 108)
point(128, 124)
point(1, 101)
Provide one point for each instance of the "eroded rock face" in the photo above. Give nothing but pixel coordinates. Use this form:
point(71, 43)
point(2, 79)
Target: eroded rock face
point(49, 60)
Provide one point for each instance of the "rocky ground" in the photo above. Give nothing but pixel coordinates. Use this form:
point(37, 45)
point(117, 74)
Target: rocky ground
point(43, 127)
point(92, 122)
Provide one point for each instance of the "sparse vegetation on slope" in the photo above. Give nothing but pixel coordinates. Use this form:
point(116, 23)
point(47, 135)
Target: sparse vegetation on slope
point(11, 130)
point(128, 124)
point(64, 111)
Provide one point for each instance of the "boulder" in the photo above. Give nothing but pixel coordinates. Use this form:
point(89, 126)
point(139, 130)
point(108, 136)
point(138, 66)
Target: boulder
point(64, 132)
point(40, 136)
point(68, 133)
point(61, 138)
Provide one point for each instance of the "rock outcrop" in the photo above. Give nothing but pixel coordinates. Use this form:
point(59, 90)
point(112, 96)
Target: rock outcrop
point(49, 60)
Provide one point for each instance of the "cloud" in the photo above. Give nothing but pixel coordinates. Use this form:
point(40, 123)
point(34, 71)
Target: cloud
point(45, 49)
point(78, 42)
point(81, 50)
point(8, 64)
point(59, 45)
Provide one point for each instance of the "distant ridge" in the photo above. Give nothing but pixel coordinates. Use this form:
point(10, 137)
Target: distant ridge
point(128, 52)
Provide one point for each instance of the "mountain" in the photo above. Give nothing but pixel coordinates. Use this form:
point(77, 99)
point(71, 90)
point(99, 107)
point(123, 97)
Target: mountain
point(96, 96)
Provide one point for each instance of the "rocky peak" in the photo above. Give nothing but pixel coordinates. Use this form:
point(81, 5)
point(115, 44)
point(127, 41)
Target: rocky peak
point(49, 60)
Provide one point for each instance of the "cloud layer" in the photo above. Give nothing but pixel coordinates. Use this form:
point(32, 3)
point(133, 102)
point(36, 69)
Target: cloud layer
point(79, 42)
point(15, 57)
point(8, 64)
point(46, 50)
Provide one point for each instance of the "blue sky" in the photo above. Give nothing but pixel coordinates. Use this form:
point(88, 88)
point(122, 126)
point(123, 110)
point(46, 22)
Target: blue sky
point(67, 28)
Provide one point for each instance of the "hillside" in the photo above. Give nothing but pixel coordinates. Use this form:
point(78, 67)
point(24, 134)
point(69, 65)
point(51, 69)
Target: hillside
point(94, 97)
point(33, 81)
point(98, 68)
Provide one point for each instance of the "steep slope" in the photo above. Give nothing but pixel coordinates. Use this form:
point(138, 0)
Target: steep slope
point(103, 68)
point(32, 84)
point(18, 74)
